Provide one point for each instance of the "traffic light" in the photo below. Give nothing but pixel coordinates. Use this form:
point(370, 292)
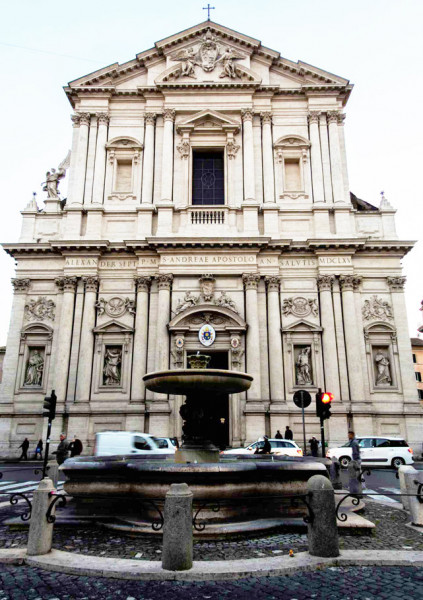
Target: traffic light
point(323, 405)
point(49, 406)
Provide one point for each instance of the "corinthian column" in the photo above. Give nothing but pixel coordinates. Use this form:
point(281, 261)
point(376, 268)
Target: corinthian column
point(11, 359)
point(100, 158)
point(74, 152)
point(148, 171)
point(139, 363)
point(355, 375)
point(167, 161)
point(249, 182)
point(164, 284)
point(335, 157)
point(68, 285)
point(86, 348)
point(268, 174)
point(316, 157)
point(330, 357)
point(275, 339)
point(81, 159)
point(251, 281)
point(408, 376)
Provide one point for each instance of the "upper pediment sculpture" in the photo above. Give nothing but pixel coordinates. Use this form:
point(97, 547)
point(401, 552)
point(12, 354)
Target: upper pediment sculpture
point(51, 184)
point(207, 55)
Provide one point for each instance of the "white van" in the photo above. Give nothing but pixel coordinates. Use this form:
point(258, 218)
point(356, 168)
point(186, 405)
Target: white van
point(110, 443)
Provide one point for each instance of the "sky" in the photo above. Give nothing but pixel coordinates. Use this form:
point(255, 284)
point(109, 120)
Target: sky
point(376, 44)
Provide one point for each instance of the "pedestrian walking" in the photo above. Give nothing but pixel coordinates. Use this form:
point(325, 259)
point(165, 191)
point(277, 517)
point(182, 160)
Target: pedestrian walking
point(75, 447)
point(314, 446)
point(353, 443)
point(288, 433)
point(62, 452)
point(278, 435)
point(24, 446)
point(39, 450)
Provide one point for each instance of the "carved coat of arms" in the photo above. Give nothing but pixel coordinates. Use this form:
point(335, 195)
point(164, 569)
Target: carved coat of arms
point(376, 308)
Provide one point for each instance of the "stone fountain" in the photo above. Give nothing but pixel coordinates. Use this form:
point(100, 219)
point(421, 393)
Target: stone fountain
point(252, 493)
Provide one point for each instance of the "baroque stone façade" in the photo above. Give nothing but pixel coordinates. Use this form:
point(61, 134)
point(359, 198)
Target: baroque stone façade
point(300, 281)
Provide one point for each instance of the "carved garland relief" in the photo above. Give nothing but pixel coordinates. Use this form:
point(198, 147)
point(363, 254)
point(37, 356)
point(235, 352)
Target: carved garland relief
point(40, 309)
point(300, 307)
point(115, 307)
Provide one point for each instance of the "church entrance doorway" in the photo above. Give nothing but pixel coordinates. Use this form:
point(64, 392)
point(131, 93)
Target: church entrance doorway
point(220, 407)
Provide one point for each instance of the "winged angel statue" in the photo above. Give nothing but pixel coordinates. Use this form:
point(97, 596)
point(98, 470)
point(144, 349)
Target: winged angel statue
point(53, 177)
point(207, 56)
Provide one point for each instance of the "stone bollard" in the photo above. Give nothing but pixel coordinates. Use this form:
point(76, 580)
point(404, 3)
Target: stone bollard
point(40, 531)
point(335, 474)
point(354, 483)
point(53, 472)
point(322, 533)
point(177, 529)
point(415, 507)
point(403, 486)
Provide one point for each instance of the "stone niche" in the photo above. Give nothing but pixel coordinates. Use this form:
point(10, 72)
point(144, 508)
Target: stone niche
point(382, 357)
point(302, 356)
point(112, 360)
point(34, 359)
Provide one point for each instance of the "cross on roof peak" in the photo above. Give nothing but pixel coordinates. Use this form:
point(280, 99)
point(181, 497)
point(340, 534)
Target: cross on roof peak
point(208, 8)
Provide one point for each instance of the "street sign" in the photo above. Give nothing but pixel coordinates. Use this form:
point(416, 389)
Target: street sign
point(302, 399)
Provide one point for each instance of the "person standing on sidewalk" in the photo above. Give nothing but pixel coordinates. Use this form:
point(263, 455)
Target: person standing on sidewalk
point(314, 446)
point(62, 452)
point(278, 435)
point(354, 445)
point(75, 447)
point(288, 433)
point(24, 446)
point(39, 450)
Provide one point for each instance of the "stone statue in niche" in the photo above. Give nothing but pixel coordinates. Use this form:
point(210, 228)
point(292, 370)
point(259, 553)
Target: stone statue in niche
point(303, 367)
point(112, 364)
point(383, 374)
point(34, 369)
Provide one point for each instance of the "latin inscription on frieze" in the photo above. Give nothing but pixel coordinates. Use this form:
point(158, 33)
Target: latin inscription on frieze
point(208, 259)
point(295, 263)
point(335, 260)
point(81, 262)
point(118, 263)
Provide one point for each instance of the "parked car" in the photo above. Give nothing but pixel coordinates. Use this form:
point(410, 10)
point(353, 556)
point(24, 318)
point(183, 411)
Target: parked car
point(376, 451)
point(279, 447)
point(110, 443)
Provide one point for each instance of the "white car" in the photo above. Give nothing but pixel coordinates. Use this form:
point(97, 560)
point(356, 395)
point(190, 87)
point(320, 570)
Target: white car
point(376, 451)
point(279, 448)
point(111, 443)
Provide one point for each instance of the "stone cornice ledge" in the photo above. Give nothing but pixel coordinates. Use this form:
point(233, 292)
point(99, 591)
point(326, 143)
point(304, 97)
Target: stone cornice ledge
point(26, 248)
point(206, 242)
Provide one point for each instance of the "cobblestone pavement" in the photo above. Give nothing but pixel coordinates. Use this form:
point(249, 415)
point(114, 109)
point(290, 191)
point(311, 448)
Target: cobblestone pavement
point(391, 533)
point(334, 583)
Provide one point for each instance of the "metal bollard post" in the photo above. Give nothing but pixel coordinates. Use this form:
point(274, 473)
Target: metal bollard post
point(322, 531)
point(40, 534)
point(177, 529)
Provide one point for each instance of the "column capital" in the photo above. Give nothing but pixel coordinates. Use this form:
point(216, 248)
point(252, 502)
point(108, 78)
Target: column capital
point(246, 114)
point(313, 116)
point(103, 118)
point(251, 280)
point(273, 282)
point(20, 286)
point(84, 118)
point(333, 116)
point(75, 120)
point(164, 281)
point(149, 118)
point(346, 282)
point(169, 114)
point(324, 282)
point(91, 283)
point(266, 117)
point(341, 118)
point(142, 282)
point(396, 283)
point(66, 284)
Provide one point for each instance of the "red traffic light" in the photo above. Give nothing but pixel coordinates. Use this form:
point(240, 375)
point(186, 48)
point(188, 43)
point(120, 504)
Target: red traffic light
point(326, 397)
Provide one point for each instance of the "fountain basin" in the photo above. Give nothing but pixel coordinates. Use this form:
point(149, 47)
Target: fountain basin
point(187, 381)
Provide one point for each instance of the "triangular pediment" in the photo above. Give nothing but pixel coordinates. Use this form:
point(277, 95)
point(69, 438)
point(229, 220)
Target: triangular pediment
point(207, 53)
point(208, 120)
point(301, 325)
point(113, 327)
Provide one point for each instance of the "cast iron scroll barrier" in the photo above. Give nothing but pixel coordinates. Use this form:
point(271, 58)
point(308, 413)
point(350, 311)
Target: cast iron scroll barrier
point(14, 499)
point(37, 470)
point(364, 470)
point(215, 506)
point(60, 500)
point(357, 497)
